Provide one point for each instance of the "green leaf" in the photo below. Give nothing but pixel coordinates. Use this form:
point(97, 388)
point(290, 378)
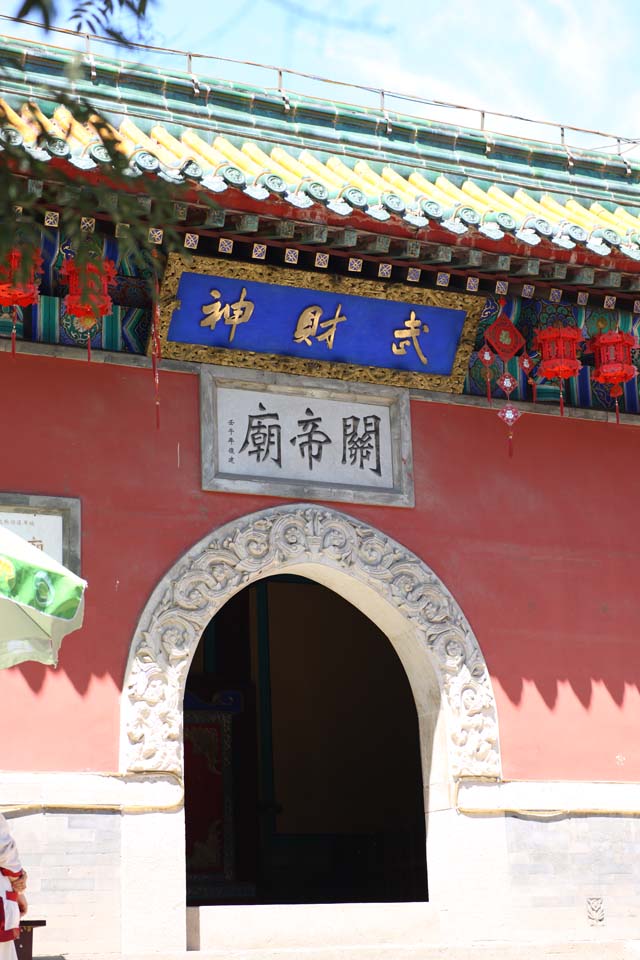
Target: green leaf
point(45, 10)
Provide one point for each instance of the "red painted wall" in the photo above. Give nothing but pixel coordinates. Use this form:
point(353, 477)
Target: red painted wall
point(540, 552)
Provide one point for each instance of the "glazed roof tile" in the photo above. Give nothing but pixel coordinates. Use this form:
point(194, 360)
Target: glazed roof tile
point(422, 177)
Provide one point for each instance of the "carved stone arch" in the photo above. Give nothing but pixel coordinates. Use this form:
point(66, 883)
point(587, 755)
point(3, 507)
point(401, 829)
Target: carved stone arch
point(302, 538)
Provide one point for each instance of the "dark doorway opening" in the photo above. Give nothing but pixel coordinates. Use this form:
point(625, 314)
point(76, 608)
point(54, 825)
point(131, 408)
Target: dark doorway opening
point(303, 780)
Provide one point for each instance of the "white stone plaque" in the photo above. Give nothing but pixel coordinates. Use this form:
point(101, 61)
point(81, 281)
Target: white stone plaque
point(42, 530)
point(294, 438)
point(280, 436)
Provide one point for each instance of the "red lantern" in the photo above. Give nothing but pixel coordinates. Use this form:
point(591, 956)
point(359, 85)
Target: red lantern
point(613, 365)
point(88, 299)
point(19, 285)
point(558, 346)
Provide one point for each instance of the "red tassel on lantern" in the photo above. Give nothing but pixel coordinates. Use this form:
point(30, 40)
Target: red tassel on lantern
point(19, 285)
point(612, 351)
point(88, 299)
point(558, 346)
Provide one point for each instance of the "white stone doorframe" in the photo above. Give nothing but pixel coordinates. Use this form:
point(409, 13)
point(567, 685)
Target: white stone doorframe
point(388, 583)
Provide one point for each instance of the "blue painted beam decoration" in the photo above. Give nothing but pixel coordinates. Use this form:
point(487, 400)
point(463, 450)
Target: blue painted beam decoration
point(298, 322)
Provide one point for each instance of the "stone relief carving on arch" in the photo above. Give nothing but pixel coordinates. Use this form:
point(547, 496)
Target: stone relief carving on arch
point(267, 542)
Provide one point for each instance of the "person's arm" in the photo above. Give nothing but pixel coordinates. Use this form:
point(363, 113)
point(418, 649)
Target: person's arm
point(10, 864)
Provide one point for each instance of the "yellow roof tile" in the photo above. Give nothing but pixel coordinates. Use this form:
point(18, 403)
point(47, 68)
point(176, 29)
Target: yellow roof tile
point(401, 186)
point(424, 186)
point(379, 184)
point(205, 152)
point(319, 170)
point(177, 149)
point(254, 159)
point(26, 129)
point(267, 162)
point(237, 157)
point(625, 217)
point(348, 175)
point(607, 218)
point(527, 202)
point(289, 163)
point(579, 214)
point(504, 201)
point(133, 133)
point(477, 196)
point(450, 190)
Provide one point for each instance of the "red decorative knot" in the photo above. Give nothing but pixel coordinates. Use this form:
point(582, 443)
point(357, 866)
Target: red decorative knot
point(526, 363)
point(612, 351)
point(509, 415)
point(19, 285)
point(88, 299)
point(558, 346)
point(507, 383)
point(486, 356)
point(504, 337)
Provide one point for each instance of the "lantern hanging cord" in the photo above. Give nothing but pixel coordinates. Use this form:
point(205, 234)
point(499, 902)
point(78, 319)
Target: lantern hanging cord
point(156, 351)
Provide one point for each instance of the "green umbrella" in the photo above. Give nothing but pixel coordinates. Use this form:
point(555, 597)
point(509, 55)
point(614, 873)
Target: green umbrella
point(40, 602)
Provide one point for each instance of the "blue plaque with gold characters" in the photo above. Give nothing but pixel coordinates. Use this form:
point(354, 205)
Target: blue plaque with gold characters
point(254, 315)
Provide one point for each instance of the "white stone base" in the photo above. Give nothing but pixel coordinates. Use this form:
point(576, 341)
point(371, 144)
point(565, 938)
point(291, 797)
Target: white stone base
point(516, 867)
point(316, 927)
point(107, 884)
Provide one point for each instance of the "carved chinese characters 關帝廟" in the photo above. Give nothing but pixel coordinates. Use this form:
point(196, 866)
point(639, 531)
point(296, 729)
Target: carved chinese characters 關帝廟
point(266, 434)
point(311, 439)
point(262, 439)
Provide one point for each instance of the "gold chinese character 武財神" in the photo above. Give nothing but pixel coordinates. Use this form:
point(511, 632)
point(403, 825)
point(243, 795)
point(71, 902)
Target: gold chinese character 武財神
point(309, 323)
point(232, 313)
point(410, 334)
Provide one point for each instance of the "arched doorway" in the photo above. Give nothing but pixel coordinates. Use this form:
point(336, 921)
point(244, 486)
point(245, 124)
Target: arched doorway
point(303, 779)
point(395, 589)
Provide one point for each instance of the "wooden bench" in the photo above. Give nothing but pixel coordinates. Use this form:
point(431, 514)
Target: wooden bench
point(24, 943)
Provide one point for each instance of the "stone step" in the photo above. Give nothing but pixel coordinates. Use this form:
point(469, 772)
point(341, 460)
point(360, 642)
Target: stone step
point(479, 950)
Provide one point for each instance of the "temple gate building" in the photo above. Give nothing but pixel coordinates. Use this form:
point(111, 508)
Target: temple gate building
point(360, 667)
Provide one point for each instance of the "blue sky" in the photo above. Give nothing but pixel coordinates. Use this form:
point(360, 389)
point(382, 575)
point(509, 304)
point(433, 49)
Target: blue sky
point(572, 61)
